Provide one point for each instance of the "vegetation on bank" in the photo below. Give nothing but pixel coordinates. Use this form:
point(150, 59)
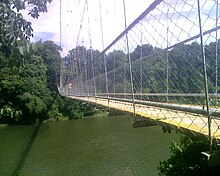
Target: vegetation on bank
point(29, 72)
point(28, 86)
point(187, 159)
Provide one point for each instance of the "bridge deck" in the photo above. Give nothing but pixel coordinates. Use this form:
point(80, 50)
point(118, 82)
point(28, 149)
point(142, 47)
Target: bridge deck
point(185, 120)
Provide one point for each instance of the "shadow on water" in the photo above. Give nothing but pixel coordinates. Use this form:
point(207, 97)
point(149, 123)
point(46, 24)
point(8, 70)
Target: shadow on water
point(30, 143)
point(26, 150)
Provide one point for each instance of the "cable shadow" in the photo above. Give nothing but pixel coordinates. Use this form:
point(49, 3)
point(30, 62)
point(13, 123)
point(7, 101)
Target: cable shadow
point(26, 151)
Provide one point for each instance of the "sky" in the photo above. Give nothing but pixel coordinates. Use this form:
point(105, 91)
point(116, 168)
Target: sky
point(85, 25)
point(47, 26)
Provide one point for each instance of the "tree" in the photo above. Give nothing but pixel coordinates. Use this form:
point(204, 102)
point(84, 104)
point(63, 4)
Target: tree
point(29, 92)
point(49, 52)
point(25, 91)
point(187, 159)
point(141, 51)
point(13, 26)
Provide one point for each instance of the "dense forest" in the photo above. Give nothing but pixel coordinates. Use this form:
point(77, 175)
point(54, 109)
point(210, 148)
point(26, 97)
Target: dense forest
point(185, 71)
point(28, 86)
point(29, 72)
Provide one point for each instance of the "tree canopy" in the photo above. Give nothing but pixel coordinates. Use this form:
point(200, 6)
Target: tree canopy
point(29, 91)
point(185, 70)
point(13, 26)
point(186, 159)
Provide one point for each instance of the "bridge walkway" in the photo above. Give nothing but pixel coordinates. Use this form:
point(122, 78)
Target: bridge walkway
point(186, 117)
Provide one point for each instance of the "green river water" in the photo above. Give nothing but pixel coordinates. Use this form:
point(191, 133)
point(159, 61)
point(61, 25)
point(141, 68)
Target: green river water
point(99, 146)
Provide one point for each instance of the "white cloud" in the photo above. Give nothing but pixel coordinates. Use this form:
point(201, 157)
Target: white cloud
point(47, 27)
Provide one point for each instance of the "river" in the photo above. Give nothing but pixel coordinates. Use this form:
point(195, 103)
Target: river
point(99, 146)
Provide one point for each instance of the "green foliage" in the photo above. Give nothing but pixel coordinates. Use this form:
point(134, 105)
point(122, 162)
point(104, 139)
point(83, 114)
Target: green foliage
point(54, 114)
point(9, 114)
point(25, 89)
point(28, 91)
point(13, 26)
point(49, 52)
point(74, 109)
point(187, 159)
point(29, 72)
point(185, 71)
point(141, 51)
point(31, 105)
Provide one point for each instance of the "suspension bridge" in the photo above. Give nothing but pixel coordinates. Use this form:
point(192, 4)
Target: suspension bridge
point(163, 66)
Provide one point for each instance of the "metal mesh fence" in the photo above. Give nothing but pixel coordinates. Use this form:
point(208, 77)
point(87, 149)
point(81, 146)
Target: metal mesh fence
point(165, 78)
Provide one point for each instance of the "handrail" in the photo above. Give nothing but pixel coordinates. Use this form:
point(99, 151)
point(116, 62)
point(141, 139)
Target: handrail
point(184, 108)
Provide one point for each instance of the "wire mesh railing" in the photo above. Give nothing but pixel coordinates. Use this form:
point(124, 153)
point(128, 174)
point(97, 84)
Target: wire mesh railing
point(165, 59)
